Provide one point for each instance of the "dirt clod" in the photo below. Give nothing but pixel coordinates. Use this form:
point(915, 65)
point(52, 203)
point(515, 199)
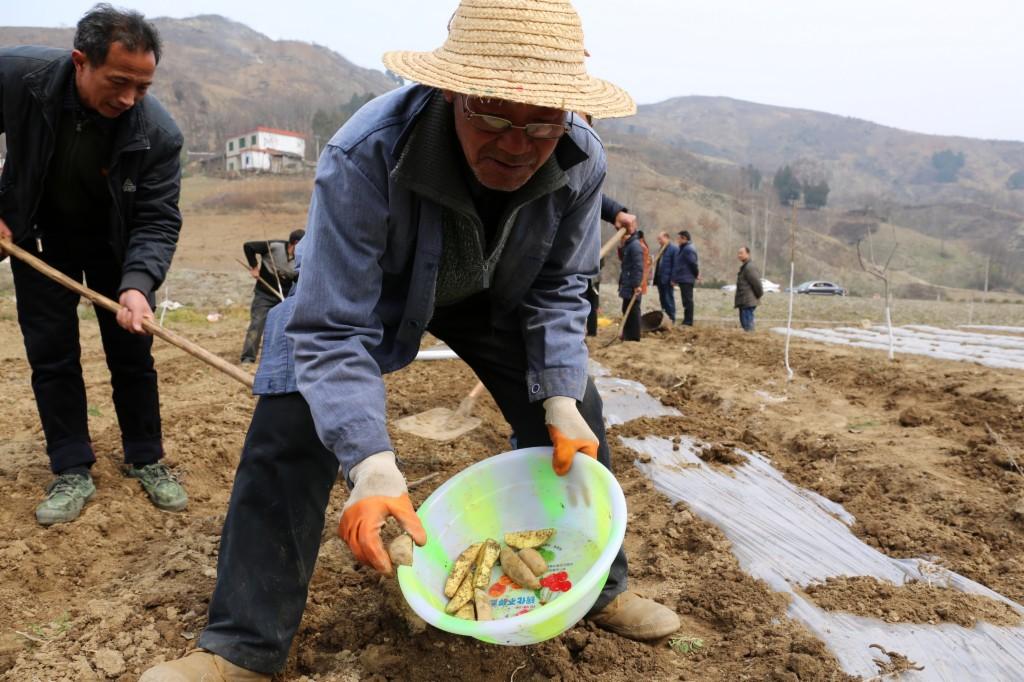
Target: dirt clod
point(719, 453)
point(912, 602)
point(109, 662)
point(914, 416)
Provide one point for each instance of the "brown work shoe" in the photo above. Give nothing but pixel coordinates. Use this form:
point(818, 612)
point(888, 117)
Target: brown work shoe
point(634, 617)
point(201, 666)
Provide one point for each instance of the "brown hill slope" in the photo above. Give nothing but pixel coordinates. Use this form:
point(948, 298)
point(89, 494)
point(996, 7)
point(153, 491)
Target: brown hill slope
point(857, 157)
point(219, 77)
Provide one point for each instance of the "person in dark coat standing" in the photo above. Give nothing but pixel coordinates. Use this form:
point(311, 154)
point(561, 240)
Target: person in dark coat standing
point(631, 280)
point(618, 215)
point(663, 275)
point(91, 184)
point(748, 289)
point(686, 273)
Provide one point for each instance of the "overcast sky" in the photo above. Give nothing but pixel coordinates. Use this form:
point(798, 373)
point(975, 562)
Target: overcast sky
point(933, 66)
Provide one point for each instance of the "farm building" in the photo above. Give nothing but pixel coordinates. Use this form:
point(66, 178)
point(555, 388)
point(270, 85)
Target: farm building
point(266, 150)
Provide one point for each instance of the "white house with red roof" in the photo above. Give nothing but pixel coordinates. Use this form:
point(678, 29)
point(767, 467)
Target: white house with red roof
point(267, 150)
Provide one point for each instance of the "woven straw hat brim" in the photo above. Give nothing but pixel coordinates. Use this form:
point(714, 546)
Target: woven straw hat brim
point(474, 76)
point(528, 51)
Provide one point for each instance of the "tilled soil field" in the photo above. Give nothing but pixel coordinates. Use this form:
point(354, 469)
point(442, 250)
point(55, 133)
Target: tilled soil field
point(923, 452)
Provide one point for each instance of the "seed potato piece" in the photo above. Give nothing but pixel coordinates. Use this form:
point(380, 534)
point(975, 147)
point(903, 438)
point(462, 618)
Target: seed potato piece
point(514, 568)
point(483, 605)
point(461, 569)
point(526, 539)
point(534, 561)
point(484, 563)
point(466, 612)
point(400, 551)
point(463, 596)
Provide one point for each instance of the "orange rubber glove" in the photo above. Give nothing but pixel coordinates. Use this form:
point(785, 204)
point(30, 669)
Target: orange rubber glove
point(379, 492)
point(569, 433)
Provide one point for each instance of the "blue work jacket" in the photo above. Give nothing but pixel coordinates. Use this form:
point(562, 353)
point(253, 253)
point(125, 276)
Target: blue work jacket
point(370, 259)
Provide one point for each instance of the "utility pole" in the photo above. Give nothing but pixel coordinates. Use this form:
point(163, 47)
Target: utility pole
point(988, 268)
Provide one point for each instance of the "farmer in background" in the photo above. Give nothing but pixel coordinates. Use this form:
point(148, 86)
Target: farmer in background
point(663, 275)
point(91, 185)
point(686, 273)
point(467, 206)
point(274, 274)
point(631, 281)
point(618, 215)
point(748, 289)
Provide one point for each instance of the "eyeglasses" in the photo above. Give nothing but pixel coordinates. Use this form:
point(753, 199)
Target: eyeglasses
point(496, 124)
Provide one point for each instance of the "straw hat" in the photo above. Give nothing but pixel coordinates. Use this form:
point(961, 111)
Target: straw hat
point(528, 51)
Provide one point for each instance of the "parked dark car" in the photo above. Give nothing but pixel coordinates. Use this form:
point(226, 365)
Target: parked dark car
point(820, 288)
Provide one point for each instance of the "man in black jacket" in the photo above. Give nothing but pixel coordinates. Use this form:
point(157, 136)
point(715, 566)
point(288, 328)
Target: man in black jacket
point(91, 183)
point(748, 289)
point(274, 274)
point(686, 274)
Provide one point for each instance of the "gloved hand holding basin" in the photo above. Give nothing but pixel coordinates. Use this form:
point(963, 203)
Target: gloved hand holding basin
point(511, 492)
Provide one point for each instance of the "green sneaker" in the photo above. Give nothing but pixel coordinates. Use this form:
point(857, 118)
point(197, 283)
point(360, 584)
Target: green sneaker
point(161, 485)
point(65, 497)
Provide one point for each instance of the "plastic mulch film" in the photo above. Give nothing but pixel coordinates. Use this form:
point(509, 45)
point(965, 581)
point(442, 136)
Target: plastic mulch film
point(626, 400)
point(985, 349)
point(992, 328)
point(790, 537)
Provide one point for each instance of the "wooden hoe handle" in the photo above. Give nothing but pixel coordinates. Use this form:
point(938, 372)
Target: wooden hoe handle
point(153, 328)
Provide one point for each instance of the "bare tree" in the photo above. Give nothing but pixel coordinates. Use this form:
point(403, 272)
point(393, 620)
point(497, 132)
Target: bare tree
point(882, 273)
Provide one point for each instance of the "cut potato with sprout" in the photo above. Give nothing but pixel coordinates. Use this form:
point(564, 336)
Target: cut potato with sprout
point(534, 560)
point(483, 605)
point(463, 595)
point(513, 567)
point(484, 563)
point(528, 539)
point(461, 569)
point(400, 551)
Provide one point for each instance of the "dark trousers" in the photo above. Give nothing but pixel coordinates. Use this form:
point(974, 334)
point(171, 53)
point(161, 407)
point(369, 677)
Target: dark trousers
point(686, 293)
point(262, 302)
point(275, 518)
point(631, 326)
point(747, 318)
point(594, 298)
point(48, 316)
point(667, 298)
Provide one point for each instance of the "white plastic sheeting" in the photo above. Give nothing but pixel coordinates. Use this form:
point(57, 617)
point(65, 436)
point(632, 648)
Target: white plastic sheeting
point(992, 328)
point(626, 400)
point(985, 349)
point(790, 537)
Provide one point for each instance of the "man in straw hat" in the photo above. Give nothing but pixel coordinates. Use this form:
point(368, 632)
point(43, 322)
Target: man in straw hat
point(467, 205)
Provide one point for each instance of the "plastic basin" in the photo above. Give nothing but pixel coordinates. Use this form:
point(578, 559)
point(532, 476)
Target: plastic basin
point(519, 491)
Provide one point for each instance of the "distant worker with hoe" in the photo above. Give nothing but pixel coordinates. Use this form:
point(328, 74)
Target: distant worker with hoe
point(748, 289)
point(91, 185)
point(274, 274)
point(467, 206)
point(618, 215)
point(663, 273)
point(686, 274)
point(631, 282)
